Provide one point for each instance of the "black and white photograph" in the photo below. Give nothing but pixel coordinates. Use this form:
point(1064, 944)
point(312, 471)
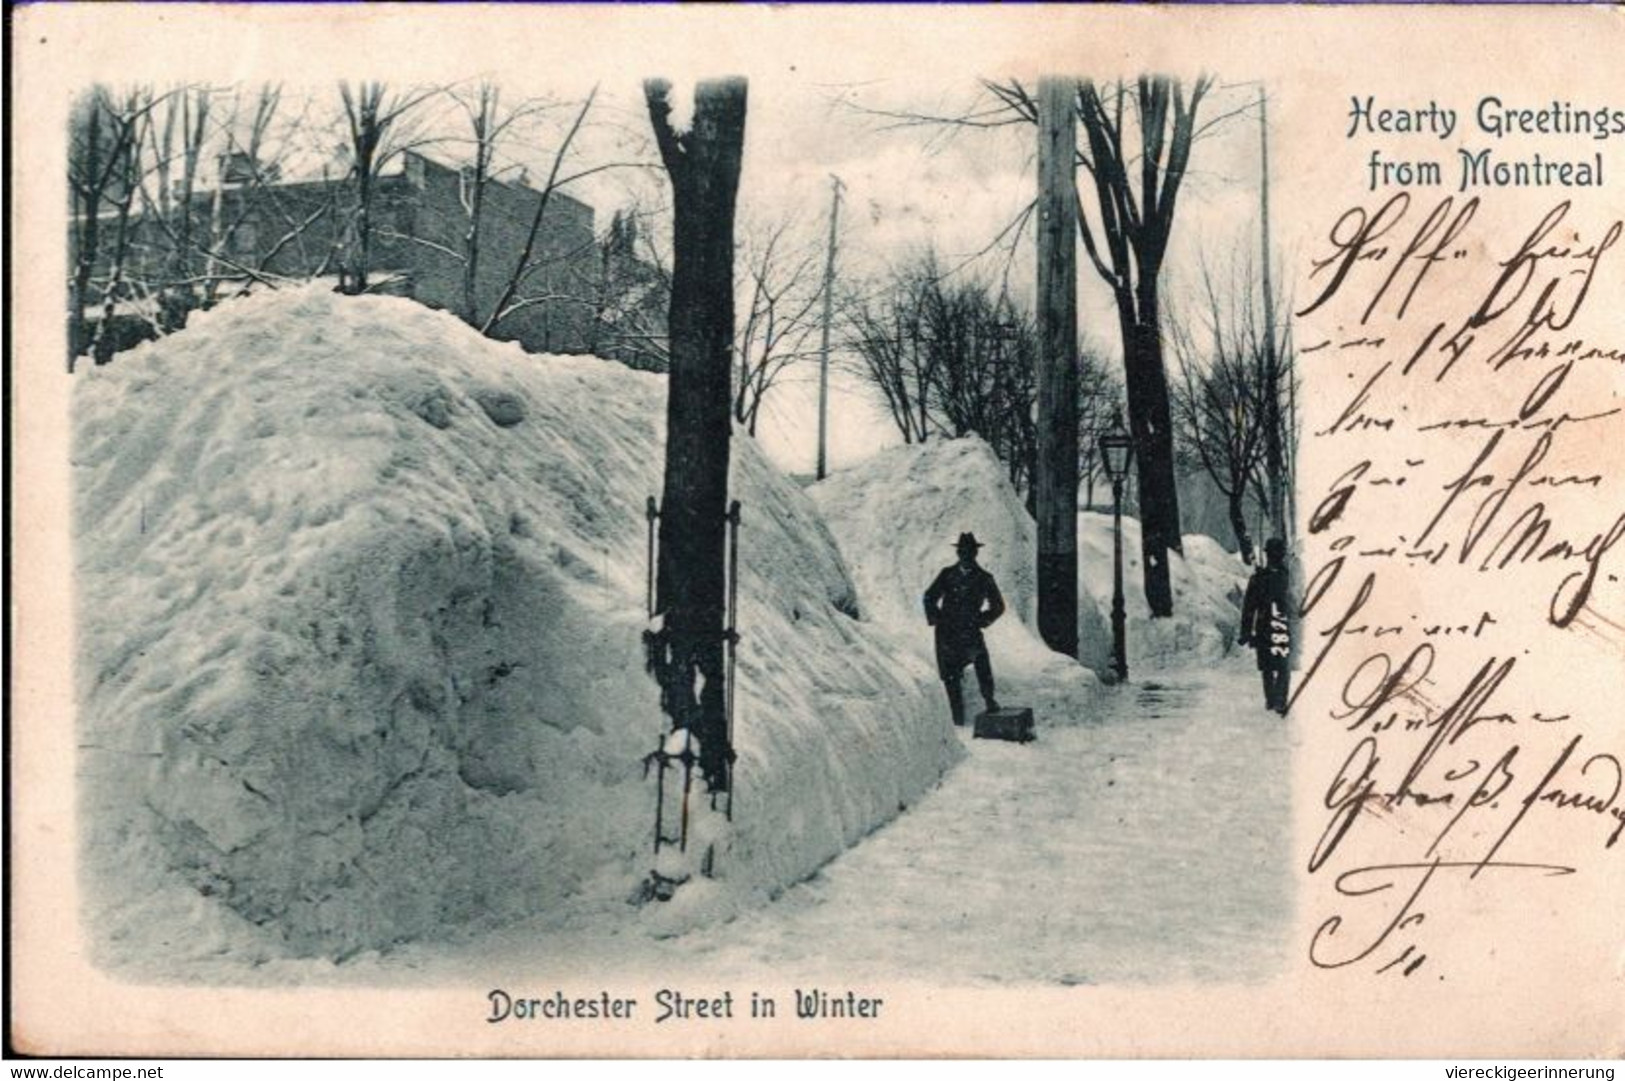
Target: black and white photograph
point(500, 575)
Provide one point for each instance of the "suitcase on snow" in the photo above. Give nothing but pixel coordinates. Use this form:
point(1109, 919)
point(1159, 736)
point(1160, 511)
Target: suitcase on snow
point(1010, 724)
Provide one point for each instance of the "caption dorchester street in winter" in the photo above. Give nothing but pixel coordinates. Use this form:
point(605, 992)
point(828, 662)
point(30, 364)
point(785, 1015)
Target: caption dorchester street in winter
point(669, 1004)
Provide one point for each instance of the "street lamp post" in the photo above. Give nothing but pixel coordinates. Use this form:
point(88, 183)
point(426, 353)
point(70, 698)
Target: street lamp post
point(1116, 451)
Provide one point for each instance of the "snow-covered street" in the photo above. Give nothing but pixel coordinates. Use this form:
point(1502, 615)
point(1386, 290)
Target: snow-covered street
point(1146, 844)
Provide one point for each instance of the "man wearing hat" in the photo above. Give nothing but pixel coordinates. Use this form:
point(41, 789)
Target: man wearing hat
point(962, 601)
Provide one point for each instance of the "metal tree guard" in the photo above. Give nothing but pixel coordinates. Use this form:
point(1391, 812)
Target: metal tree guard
point(731, 636)
point(663, 757)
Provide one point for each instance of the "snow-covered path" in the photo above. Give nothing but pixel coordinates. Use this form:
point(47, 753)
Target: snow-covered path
point(1147, 844)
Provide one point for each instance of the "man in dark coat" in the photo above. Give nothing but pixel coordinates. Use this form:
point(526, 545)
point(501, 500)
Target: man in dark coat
point(1266, 613)
point(962, 601)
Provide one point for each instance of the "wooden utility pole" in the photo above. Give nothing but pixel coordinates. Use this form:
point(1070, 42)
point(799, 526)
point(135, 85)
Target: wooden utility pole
point(1057, 474)
point(823, 356)
point(1274, 459)
point(690, 582)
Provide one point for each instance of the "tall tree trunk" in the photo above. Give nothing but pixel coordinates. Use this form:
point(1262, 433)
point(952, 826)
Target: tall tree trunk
point(471, 246)
point(704, 167)
point(1238, 523)
point(1056, 482)
point(107, 342)
point(1150, 423)
point(472, 194)
point(79, 299)
point(87, 190)
point(128, 176)
point(1136, 240)
point(363, 224)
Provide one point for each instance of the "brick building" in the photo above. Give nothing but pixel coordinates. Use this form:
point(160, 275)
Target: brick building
point(253, 231)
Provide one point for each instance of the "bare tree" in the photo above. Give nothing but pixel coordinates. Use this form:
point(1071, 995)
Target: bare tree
point(516, 294)
point(209, 209)
point(1136, 221)
point(1222, 403)
point(491, 132)
point(185, 186)
point(781, 289)
point(497, 280)
point(96, 142)
point(229, 235)
point(244, 170)
point(630, 292)
point(106, 162)
point(951, 357)
point(1015, 356)
point(136, 117)
point(703, 164)
point(486, 127)
point(1100, 407)
point(379, 130)
point(1136, 152)
point(489, 126)
point(175, 175)
point(885, 336)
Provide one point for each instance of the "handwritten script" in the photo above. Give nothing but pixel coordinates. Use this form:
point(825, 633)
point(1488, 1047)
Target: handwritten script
point(1464, 645)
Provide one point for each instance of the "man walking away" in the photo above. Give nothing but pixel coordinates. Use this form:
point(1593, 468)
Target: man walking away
point(962, 602)
point(1266, 624)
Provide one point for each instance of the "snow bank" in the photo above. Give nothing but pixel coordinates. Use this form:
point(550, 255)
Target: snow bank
point(897, 515)
point(360, 596)
point(1208, 586)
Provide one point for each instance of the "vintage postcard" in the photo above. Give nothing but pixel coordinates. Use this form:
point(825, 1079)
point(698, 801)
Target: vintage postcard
point(817, 531)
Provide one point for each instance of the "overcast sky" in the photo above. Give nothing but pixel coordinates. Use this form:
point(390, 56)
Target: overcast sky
point(907, 189)
point(910, 188)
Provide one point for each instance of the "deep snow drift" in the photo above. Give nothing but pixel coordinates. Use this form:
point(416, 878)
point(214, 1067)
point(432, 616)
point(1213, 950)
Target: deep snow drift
point(897, 515)
point(1208, 586)
point(360, 596)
